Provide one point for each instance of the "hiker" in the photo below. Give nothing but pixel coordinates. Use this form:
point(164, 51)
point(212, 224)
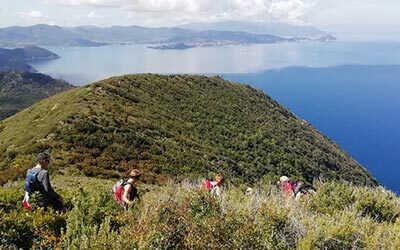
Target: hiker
point(214, 186)
point(125, 191)
point(294, 188)
point(37, 180)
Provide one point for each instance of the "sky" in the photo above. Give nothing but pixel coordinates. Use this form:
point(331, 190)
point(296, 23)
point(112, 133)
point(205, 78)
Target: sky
point(329, 15)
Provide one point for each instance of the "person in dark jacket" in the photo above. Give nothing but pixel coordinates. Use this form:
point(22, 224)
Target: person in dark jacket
point(38, 180)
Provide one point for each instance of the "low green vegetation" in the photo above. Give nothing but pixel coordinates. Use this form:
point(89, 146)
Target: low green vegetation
point(172, 127)
point(184, 216)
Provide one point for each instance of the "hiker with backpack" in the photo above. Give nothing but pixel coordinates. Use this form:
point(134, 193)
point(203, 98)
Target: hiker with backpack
point(294, 188)
point(37, 181)
point(125, 191)
point(214, 186)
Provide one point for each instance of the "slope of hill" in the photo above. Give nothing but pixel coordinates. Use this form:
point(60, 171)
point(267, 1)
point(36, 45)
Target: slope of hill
point(19, 90)
point(15, 65)
point(175, 126)
point(18, 59)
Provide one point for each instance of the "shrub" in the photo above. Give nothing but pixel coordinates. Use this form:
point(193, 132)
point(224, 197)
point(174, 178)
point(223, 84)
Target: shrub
point(36, 229)
point(333, 232)
point(332, 197)
point(15, 231)
point(90, 208)
point(183, 216)
point(11, 199)
point(378, 204)
point(385, 236)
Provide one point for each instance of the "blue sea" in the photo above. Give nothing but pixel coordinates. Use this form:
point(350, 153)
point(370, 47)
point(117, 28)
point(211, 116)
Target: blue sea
point(349, 90)
point(356, 106)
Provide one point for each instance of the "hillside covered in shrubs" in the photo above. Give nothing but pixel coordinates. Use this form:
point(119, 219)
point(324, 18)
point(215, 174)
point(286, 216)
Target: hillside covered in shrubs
point(172, 127)
point(19, 90)
point(177, 129)
point(184, 216)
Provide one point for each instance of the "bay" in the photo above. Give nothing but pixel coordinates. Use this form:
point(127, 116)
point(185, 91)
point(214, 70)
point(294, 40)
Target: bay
point(82, 65)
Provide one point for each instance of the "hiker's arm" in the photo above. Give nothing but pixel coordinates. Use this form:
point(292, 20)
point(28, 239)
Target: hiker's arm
point(47, 186)
point(125, 196)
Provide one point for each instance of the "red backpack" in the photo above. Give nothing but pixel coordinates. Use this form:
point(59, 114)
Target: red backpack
point(118, 190)
point(207, 184)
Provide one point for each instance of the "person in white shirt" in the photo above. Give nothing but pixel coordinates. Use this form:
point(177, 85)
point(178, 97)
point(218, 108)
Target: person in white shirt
point(216, 185)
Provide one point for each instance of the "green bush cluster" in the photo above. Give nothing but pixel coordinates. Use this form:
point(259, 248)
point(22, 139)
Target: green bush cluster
point(341, 231)
point(39, 229)
point(184, 216)
point(375, 203)
point(175, 218)
point(95, 222)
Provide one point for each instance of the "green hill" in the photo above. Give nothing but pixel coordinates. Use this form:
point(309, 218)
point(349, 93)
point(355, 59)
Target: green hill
point(19, 90)
point(175, 126)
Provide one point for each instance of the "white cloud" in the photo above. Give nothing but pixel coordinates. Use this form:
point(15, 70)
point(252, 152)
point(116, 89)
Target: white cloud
point(92, 14)
point(35, 16)
point(181, 11)
point(31, 14)
point(115, 3)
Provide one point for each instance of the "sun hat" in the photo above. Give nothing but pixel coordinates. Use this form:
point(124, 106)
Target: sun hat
point(284, 178)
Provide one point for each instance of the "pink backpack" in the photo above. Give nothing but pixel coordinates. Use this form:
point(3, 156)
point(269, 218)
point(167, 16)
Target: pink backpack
point(207, 184)
point(118, 190)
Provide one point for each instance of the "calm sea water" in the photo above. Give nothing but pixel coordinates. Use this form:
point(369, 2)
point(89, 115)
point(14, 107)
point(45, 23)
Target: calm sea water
point(356, 106)
point(82, 65)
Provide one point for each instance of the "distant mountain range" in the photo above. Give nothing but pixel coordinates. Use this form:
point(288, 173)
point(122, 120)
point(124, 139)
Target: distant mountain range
point(18, 59)
point(276, 29)
point(46, 35)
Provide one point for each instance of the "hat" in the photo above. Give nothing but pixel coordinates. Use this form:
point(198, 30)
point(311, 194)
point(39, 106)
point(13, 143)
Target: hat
point(249, 191)
point(284, 178)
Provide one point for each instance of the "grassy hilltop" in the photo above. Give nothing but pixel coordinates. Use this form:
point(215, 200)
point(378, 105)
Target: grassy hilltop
point(175, 126)
point(177, 129)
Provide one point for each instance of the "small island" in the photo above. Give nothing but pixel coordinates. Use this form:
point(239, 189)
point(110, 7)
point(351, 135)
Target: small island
point(173, 46)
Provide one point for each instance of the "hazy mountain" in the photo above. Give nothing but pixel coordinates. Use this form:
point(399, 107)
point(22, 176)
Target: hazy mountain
point(328, 38)
point(277, 29)
point(174, 126)
point(96, 36)
point(15, 65)
point(19, 90)
point(41, 34)
point(30, 53)
point(127, 34)
point(18, 59)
